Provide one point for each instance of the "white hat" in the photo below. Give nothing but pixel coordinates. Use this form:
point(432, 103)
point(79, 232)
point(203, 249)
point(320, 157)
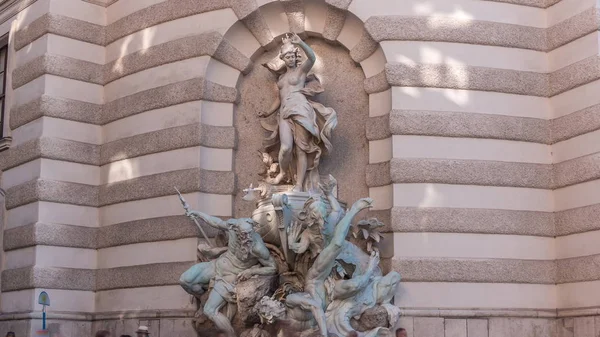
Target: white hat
point(143, 329)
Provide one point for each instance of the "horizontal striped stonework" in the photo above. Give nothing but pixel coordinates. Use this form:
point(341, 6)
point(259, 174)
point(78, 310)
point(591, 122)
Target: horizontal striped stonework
point(210, 43)
point(126, 148)
point(150, 275)
point(131, 232)
point(151, 186)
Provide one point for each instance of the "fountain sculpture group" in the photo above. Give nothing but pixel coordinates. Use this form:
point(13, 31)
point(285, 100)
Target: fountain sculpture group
point(290, 269)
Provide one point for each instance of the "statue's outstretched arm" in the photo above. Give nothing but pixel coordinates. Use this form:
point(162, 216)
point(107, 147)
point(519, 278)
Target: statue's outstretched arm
point(342, 228)
point(213, 221)
point(310, 54)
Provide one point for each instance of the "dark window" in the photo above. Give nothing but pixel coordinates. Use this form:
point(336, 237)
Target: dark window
point(3, 63)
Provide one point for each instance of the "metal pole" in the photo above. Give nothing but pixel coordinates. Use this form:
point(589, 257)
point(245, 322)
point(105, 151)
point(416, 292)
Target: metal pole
point(186, 207)
point(44, 317)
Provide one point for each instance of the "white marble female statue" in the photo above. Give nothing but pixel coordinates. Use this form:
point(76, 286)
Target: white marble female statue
point(304, 126)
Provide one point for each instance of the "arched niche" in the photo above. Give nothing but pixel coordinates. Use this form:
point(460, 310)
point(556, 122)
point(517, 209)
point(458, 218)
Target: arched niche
point(346, 57)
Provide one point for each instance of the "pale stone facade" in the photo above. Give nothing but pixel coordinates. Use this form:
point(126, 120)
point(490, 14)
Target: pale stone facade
point(478, 123)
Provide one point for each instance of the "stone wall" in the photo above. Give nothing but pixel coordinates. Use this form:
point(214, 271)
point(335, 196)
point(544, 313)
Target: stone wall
point(479, 148)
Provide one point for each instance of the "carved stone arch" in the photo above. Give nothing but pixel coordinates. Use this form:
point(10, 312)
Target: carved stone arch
point(258, 32)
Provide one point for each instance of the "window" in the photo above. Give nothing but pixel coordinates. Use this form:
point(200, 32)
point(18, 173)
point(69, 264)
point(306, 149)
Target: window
point(4, 139)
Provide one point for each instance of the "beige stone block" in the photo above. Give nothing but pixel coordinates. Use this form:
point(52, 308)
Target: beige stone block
point(126, 327)
point(480, 197)
point(177, 327)
point(408, 146)
point(351, 32)
point(476, 295)
point(148, 253)
point(157, 77)
point(575, 196)
point(222, 74)
point(584, 327)
point(315, 16)
point(121, 9)
point(575, 99)
point(564, 327)
point(153, 120)
point(163, 297)
point(275, 18)
point(474, 246)
point(580, 244)
point(470, 11)
point(20, 327)
point(485, 102)
point(481, 221)
point(382, 197)
point(79, 10)
point(411, 53)
point(573, 52)
point(521, 327)
point(380, 150)
point(428, 327)
point(477, 328)
point(374, 64)
point(455, 327)
point(170, 30)
point(242, 39)
point(380, 103)
point(576, 147)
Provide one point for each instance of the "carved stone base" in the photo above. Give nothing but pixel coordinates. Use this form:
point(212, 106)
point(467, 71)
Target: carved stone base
point(371, 319)
point(249, 293)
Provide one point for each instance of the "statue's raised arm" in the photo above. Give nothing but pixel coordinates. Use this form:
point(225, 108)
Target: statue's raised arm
point(310, 54)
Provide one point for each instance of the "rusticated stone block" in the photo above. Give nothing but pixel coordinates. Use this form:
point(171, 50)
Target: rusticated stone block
point(428, 327)
point(584, 327)
point(455, 327)
point(371, 319)
point(477, 328)
point(249, 293)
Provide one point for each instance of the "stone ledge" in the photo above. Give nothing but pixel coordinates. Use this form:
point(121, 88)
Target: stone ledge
point(472, 172)
point(210, 43)
point(469, 125)
point(476, 270)
point(125, 233)
point(148, 275)
point(471, 78)
point(466, 220)
point(145, 187)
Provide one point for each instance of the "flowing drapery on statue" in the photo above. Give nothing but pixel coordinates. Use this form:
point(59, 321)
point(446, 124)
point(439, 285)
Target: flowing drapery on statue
point(303, 130)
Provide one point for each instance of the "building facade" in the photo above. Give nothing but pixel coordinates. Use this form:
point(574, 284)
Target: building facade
point(473, 124)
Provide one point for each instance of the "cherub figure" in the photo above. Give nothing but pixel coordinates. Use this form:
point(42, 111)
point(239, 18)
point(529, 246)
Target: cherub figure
point(271, 168)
